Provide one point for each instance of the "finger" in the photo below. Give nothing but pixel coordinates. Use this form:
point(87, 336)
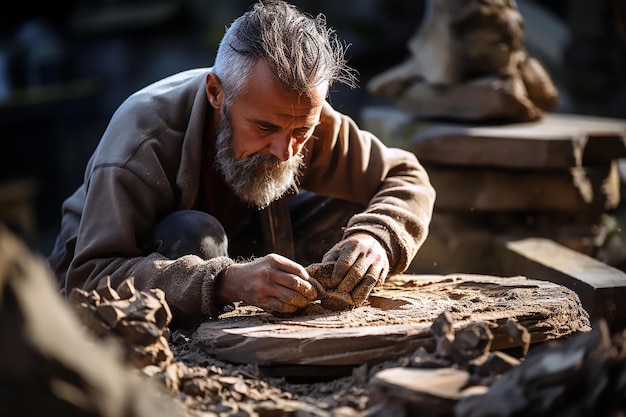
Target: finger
point(382, 277)
point(363, 289)
point(296, 285)
point(323, 273)
point(289, 296)
point(354, 276)
point(332, 255)
point(319, 288)
point(285, 264)
point(344, 264)
point(275, 305)
point(293, 298)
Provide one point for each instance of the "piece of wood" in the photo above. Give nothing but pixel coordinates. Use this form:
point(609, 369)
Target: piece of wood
point(583, 189)
point(434, 391)
point(395, 322)
point(555, 141)
point(600, 287)
point(412, 384)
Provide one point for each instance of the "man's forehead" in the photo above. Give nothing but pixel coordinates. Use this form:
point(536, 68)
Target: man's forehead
point(261, 86)
point(265, 100)
point(286, 113)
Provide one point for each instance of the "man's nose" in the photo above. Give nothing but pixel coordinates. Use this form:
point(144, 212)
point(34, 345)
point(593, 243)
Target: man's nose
point(282, 147)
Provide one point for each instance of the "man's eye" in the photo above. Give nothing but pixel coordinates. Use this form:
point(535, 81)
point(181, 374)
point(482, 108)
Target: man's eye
point(264, 129)
point(303, 131)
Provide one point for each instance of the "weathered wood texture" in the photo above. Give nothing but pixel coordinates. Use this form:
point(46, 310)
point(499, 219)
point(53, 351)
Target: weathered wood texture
point(396, 322)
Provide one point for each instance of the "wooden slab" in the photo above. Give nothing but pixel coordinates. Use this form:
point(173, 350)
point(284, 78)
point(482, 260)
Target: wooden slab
point(600, 287)
point(555, 141)
point(396, 322)
point(583, 189)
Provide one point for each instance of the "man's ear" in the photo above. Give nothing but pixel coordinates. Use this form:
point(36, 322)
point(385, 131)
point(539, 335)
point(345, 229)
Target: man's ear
point(214, 91)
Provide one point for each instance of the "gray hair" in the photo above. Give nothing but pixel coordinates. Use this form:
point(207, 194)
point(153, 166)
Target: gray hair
point(301, 51)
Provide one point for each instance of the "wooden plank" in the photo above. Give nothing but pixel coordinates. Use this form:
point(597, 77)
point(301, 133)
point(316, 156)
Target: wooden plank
point(601, 288)
point(555, 141)
point(395, 322)
point(585, 189)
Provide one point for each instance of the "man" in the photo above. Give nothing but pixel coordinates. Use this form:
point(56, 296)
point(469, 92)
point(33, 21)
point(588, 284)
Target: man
point(198, 177)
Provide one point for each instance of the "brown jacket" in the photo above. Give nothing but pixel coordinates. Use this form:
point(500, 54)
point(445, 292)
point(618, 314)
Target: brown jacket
point(148, 164)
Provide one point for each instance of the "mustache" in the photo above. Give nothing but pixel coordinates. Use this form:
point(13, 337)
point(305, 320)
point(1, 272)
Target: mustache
point(257, 162)
point(269, 160)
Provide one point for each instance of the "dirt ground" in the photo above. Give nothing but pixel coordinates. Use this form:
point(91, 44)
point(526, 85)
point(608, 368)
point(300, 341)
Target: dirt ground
point(207, 386)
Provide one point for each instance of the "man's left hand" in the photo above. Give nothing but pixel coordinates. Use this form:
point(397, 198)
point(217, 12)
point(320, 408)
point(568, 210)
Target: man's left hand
point(361, 263)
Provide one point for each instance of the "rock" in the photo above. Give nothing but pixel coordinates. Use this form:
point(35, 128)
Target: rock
point(583, 375)
point(468, 62)
point(397, 320)
point(136, 319)
point(50, 366)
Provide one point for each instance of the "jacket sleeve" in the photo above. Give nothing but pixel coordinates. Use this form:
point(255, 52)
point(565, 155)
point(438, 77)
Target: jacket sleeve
point(352, 164)
point(119, 208)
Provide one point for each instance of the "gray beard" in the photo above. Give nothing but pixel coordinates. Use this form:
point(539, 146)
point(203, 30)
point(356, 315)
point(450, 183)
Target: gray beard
point(257, 180)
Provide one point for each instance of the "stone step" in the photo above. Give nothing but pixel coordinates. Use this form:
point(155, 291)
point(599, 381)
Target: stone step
point(554, 141)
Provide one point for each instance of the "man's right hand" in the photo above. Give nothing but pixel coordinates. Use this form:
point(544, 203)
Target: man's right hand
point(273, 283)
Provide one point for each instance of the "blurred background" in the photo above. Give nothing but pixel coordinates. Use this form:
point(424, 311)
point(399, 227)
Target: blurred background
point(66, 65)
